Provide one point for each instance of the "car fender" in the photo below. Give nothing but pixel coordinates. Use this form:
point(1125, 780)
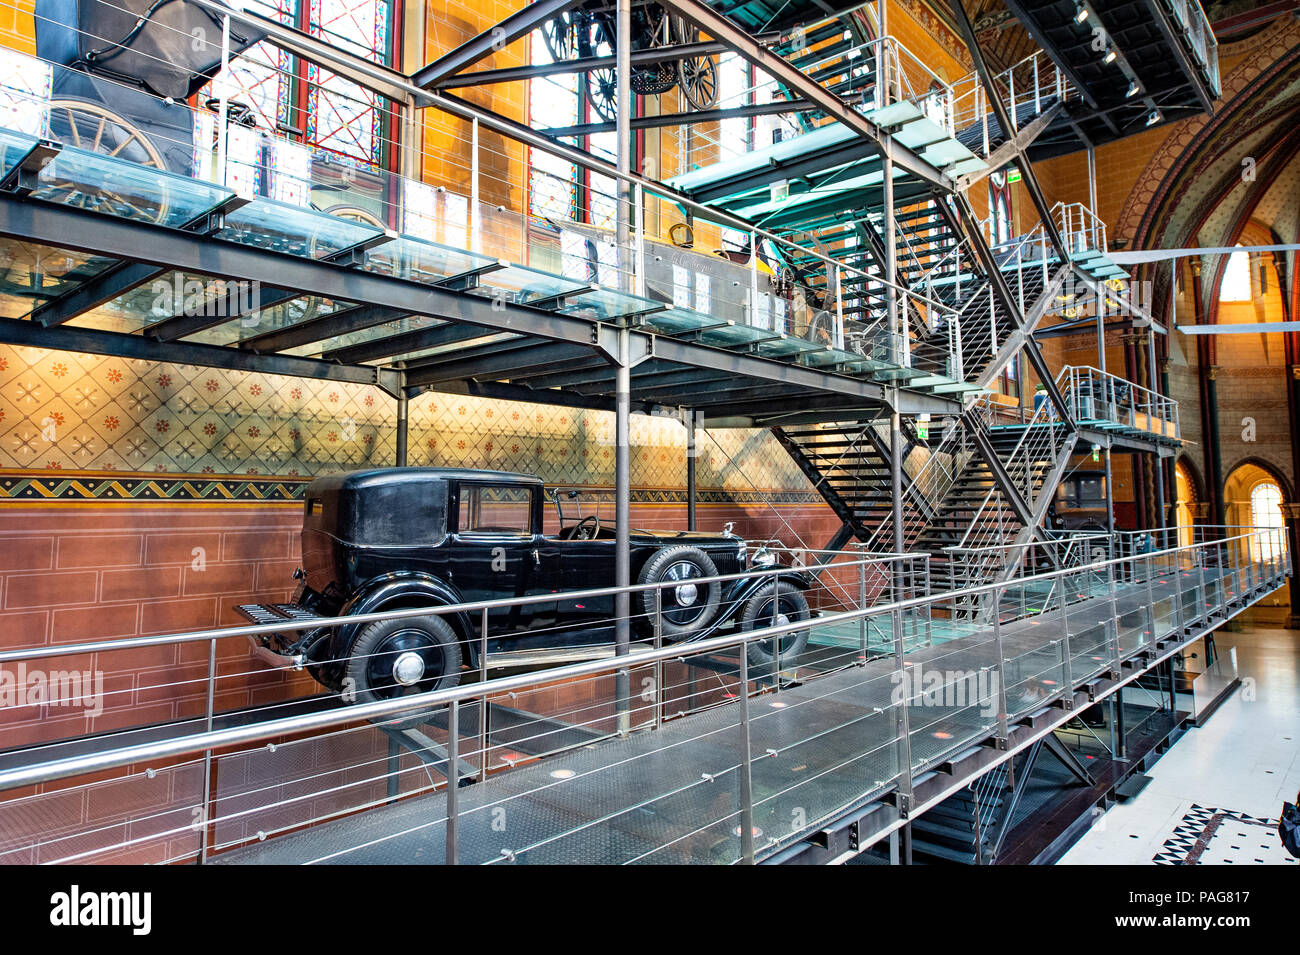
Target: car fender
point(391, 588)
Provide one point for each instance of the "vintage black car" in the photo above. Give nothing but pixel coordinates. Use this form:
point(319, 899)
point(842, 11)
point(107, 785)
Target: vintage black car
point(417, 537)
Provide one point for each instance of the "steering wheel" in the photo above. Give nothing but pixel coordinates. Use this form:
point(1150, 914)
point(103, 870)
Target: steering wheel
point(580, 529)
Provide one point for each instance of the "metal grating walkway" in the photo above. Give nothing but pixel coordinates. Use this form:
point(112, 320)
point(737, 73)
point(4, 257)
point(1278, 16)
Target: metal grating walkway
point(674, 795)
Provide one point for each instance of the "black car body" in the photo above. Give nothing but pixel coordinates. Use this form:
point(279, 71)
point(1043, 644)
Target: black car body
point(417, 537)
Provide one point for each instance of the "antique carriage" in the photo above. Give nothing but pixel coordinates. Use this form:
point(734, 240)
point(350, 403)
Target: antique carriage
point(124, 71)
point(589, 29)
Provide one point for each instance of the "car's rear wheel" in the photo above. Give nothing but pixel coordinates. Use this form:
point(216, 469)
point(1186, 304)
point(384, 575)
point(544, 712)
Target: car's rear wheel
point(688, 606)
point(392, 658)
point(773, 605)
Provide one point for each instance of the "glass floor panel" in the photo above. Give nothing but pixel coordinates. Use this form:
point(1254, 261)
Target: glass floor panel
point(488, 338)
point(679, 321)
point(282, 227)
point(786, 347)
point(103, 184)
point(14, 146)
point(32, 274)
point(737, 336)
point(607, 305)
point(420, 260)
point(400, 326)
point(524, 286)
point(283, 314)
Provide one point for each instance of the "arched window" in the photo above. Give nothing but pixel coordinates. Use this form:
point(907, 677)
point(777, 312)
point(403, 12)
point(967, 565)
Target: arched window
point(1236, 278)
point(1266, 514)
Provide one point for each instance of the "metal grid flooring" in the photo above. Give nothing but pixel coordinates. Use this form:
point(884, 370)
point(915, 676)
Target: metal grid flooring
point(673, 795)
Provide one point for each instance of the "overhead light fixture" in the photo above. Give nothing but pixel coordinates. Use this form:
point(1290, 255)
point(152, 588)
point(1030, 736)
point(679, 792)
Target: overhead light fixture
point(1081, 15)
point(1110, 56)
point(1133, 89)
point(1154, 117)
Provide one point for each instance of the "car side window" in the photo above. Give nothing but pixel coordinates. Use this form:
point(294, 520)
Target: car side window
point(495, 509)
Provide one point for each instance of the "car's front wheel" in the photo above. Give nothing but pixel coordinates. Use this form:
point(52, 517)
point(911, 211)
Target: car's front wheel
point(392, 658)
point(773, 605)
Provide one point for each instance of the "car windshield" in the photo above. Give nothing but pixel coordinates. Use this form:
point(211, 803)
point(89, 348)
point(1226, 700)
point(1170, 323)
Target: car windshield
point(572, 504)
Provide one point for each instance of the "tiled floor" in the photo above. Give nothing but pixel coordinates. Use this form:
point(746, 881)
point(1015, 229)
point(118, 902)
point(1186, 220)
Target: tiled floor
point(1209, 794)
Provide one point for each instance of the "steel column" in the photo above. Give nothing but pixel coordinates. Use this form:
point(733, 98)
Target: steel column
point(403, 404)
point(622, 524)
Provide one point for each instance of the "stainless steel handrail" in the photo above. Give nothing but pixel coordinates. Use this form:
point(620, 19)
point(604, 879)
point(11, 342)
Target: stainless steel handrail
point(216, 739)
point(311, 623)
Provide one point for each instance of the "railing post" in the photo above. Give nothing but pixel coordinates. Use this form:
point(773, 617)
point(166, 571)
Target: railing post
point(452, 836)
point(1065, 637)
point(904, 720)
point(746, 779)
point(206, 811)
point(1151, 595)
point(659, 665)
point(1003, 731)
point(753, 279)
point(483, 700)
point(475, 216)
point(862, 605)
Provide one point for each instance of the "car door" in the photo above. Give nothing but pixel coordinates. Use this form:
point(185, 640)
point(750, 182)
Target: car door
point(495, 553)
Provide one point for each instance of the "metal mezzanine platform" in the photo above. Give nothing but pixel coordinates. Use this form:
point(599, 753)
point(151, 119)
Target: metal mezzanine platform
point(828, 755)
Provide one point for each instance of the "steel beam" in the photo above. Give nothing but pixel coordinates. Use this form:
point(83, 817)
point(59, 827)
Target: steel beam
point(497, 366)
point(446, 334)
point(1004, 120)
point(178, 326)
point(342, 322)
point(716, 25)
point(65, 227)
point(1001, 478)
point(1002, 293)
point(98, 342)
point(518, 74)
point(102, 289)
point(682, 119)
point(518, 24)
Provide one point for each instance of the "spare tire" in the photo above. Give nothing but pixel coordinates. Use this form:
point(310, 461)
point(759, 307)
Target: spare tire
point(688, 607)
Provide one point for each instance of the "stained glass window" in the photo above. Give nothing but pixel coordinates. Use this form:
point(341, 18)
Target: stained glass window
point(297, 99)
point(552, 102)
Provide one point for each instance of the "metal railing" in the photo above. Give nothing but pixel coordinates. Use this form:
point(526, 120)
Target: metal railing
point(1147, 598)
point(1095, 395)
point(1035, 80)
point(1199, 36)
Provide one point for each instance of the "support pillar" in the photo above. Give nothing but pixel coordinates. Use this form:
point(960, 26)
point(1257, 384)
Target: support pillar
point(691, 454)
point(403, 404)
point(622, 523)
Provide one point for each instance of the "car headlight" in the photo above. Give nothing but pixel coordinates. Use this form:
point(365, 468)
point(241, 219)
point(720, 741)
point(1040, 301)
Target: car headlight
point(763, 558)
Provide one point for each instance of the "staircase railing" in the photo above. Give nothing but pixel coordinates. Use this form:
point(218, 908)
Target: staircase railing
point(1095, 395)
point(925, 489)
point(1036, 79)
point(1039, 442)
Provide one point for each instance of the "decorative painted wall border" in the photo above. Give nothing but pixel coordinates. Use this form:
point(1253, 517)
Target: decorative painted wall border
point(120, 487)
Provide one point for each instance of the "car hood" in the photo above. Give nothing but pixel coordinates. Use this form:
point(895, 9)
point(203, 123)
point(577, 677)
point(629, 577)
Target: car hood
point(681, 537)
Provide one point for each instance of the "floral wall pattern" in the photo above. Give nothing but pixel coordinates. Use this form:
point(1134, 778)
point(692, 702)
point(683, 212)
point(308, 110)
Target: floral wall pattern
point(70, 412)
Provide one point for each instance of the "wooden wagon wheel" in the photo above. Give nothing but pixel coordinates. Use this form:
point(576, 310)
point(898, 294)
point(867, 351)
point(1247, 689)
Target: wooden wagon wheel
point(558, 35)
point(697, 76)
point(94, 128)
point(602, 84)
